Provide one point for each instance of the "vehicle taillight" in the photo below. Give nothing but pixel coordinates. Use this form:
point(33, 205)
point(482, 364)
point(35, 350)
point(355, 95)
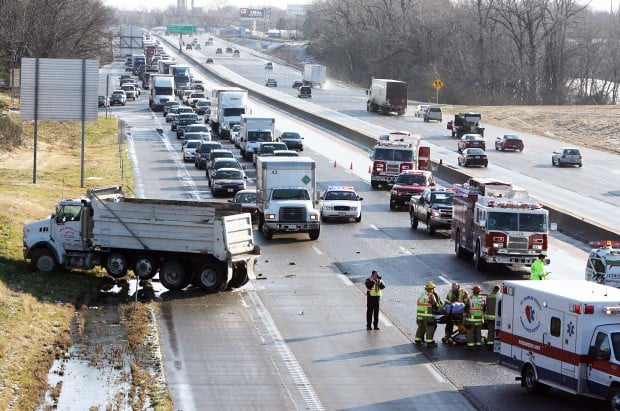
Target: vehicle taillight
point(406, 166)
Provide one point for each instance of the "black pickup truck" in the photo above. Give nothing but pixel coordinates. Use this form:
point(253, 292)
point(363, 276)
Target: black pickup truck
point(433, 208)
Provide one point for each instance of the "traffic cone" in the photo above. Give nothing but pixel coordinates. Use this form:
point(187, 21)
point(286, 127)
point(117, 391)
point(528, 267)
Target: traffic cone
point(369, 170)
point(335, 163)
point(351, 166)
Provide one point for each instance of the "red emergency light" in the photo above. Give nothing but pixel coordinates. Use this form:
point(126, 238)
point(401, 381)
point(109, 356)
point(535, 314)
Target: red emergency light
point(577, 309)
point(605, 243)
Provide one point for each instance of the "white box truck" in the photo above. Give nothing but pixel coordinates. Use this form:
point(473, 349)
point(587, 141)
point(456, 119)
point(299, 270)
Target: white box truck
point(227, 106)
point(204, 243)
point(387, 96)
point(314, 75)
point(255, 130)
point(162, 90)
point(287, 196)
point(563, 334)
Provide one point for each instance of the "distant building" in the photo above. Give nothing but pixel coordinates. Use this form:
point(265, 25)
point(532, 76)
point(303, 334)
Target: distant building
point(182, 4)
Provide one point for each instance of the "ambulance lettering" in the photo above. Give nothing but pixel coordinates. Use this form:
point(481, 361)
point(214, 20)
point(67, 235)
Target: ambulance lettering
point(530, 310)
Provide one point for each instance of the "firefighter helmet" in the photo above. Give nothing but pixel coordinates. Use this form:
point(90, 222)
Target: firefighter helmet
point(477, 289)
point(430, 285)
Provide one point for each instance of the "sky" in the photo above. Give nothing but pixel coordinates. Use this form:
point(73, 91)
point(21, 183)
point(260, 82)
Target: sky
point(164, 4)
point(602, 5)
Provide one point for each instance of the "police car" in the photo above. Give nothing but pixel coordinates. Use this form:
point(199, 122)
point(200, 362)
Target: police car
point(339, 202)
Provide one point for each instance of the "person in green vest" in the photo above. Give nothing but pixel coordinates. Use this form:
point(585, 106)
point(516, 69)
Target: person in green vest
point(428, 304)
point(489, 316)
point(537, 269)
point(475, 318)
point(374, 285)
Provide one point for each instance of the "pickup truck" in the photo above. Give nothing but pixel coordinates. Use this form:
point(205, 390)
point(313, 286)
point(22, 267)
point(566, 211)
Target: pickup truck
point(433, 208)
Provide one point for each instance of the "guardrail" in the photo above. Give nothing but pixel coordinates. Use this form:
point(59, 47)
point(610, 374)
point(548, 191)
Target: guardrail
point(574, 226)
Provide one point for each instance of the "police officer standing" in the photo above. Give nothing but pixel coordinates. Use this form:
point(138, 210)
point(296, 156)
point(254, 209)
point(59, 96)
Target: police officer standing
point(428, 304)
point(374, 285)
point(474, 319)
point(537, 270)
point(489, 316)
point(456, 294)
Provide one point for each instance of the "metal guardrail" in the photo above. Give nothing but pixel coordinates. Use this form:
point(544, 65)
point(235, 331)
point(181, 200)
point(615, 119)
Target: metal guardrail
point(574, 226)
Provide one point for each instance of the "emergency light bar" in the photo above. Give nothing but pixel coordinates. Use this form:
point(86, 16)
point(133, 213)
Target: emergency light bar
point(395, 144)
point(579, 309)
point(340, 188)
point(605, 243)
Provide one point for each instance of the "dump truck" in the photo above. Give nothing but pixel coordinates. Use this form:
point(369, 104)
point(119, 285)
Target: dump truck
point(187, 242)
point(465, 123)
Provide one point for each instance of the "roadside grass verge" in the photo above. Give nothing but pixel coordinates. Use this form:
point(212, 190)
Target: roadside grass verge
point(37, 310)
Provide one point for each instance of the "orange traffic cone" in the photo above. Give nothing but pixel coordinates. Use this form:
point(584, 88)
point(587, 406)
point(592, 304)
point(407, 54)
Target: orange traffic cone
point(334, 163)
point(369, 170)
point(351, 166)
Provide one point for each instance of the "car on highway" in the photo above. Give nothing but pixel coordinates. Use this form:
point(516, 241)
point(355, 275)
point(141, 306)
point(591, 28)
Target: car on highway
point(236, 53)
point(215, 154)
point(189, 149)
point(271, 82)
point(198, 85)
point(104, 101)
point(433, 208)
point(130, 91)
point(509, 142)
point(168, 105)
point(293, 140)
point(209, 60)
point(184, 95)
point(473, 157)
point(305, 92)
point(198, 128)
point(433, 113)
point(420, 110)
point(118, 97)
point(228, 181)
point(229, 50)
point(341, 202)
point(471, 141)
point(202, 153)
point(218, 51)
point(235, 136)
point(222, 162)
point(172, 116)
point(197, 135)
point(185, 120)
point(567, 156)
point(266, 149)
point(297, 83)
point(193, 97)
point(247, 199)
point(269, 65)
point(188, 46)
point(202, 106)
point(407, 184)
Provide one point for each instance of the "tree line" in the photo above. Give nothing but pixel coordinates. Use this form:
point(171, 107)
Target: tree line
point(484, 51)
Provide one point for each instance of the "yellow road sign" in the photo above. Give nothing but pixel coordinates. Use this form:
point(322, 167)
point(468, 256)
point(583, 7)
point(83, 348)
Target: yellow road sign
point(438, 84)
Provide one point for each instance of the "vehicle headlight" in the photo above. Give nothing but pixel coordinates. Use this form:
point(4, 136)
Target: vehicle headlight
point(314, 217)
point(217, 185)
point(435, 213)
point(394, 192)
point(353, 208)
point(328, 207)
point(270, 216)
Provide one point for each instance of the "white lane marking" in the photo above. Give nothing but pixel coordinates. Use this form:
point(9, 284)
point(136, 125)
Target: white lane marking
point(316, 250)
point(445, 280)
point(435, 373)
point(404, 250)
point(374, 227)
point(288, 358)
point(345, 279)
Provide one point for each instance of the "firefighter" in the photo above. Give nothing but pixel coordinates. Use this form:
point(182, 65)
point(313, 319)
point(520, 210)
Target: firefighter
point(374, 285)
point(428, 304)
point(537, 270)
point(474, 319)
point(489, 316)
point(455, 295)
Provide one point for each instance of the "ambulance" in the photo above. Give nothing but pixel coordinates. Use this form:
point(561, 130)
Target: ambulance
point(563, 334)
point(603, 264)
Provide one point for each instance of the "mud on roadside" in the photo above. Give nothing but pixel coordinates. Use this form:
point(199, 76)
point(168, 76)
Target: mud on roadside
point(114, 362)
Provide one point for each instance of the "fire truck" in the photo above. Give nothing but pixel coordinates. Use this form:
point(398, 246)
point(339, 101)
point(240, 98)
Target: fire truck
point(497, 223)
point(603, 264)
point(561, 334)
point(394, 153)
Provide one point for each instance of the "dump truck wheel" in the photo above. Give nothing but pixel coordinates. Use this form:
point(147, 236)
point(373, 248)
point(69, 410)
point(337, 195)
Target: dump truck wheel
point(240, 276)
point(173, 275)
point(43, 260)
point(145, 267)
point(210, 277)
point(116, 265)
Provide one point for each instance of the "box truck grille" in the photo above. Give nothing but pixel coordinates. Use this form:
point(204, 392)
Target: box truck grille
point(517, 243)
point(293, 214)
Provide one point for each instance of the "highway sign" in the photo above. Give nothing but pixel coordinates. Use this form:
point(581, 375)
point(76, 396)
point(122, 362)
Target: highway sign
point(181, 28)
point(438, 84)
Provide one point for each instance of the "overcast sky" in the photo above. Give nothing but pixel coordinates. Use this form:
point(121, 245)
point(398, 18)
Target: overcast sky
point(164, 4)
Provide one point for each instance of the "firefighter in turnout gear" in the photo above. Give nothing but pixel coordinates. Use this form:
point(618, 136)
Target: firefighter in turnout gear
point(489, 316)
point(455, 295)
point(428, 304)
point(374, 285)
point(474, 319)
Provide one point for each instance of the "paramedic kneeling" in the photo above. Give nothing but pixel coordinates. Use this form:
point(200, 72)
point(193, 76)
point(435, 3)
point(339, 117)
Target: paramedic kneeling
point(537, 270)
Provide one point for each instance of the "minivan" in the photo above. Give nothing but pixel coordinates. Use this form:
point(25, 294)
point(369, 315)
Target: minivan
point(305, 92)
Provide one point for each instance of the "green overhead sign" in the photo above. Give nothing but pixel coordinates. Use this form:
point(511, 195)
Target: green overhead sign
point(180, 28)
